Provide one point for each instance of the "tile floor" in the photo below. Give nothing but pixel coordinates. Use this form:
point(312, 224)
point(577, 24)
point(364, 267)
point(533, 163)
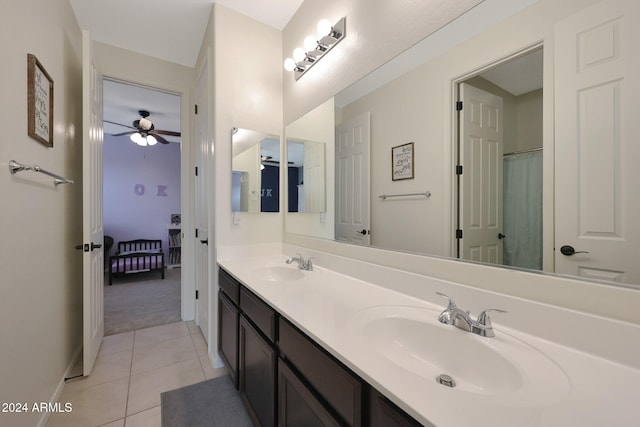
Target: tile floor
point(131, 371)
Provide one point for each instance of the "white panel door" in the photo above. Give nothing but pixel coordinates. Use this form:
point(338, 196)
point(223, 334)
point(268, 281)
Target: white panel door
point(481, 149)
point(92, 219)
point(202, 203)
point(314, 177)
point(353, 181)
point(597, 75)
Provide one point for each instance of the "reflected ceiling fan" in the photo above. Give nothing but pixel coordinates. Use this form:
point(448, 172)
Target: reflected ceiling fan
point(144, 132)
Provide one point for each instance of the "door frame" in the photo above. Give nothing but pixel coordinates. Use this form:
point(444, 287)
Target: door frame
point(185, 196)
point(451, 219)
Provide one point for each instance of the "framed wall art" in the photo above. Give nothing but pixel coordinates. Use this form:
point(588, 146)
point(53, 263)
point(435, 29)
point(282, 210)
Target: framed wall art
point(39, 102)
point(402, 162)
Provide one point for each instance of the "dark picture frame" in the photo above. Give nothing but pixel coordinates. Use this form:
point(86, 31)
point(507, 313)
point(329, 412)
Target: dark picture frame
point(402, 161)
point(39, 102)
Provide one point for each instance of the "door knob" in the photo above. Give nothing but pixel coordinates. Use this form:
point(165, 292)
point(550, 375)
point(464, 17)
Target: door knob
point(501, 236)
point(205, 242)
point(569, 250)
point(95, 246)
point(363, 231)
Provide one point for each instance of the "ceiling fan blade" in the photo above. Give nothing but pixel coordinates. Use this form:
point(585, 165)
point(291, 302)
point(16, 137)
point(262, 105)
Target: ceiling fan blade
point(159, 138)
point(166, 132)
point(119, 124)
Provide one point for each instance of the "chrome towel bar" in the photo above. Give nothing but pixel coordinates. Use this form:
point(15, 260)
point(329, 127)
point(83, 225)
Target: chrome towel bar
point(15, 167)
point(386, 196)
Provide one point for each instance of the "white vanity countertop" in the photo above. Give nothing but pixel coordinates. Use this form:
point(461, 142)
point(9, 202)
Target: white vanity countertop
point(326, 305)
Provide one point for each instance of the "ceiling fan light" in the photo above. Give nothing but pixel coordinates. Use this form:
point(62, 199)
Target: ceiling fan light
point(151, 140)
point(138, 139)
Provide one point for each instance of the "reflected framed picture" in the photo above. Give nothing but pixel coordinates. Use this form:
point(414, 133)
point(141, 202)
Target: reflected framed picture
point(402, 162)
point(39, 102)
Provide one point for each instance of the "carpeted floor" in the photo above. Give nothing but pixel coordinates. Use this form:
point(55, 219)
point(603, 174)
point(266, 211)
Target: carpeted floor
point(211, 403)
point(141, 300)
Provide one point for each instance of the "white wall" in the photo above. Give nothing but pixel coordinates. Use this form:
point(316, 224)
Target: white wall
point(377, 30)
point(247, 94)
point(132, 67)
point(40, 271)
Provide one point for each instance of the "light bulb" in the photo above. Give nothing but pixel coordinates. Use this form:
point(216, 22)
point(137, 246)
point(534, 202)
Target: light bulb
point(137, 138)
point(310, 43)
point(151, 140)
point(289, 64)
point(299, 54)
point(324, 27)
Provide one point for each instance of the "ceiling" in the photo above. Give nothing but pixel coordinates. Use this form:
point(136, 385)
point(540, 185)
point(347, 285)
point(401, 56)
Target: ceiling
point(169, 29)
point(521, 75)
point(177, 29)
point(122, 101)
point(125, 23)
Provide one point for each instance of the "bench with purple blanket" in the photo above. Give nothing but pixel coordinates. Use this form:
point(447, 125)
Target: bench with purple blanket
point(135, 256)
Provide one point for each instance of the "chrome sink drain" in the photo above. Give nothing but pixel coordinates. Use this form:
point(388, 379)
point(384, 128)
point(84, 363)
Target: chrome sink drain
point(446, 380)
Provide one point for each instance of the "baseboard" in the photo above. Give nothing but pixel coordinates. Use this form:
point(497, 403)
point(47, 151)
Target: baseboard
point(56, 394)
point(216, 360)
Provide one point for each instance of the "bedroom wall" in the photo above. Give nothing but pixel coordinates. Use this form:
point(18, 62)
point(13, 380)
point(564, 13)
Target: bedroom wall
point(141, 189)
point(40, 270)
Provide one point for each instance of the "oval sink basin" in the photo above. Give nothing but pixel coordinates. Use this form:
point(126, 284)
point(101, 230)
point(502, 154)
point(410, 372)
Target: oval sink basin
point(279, 273)
point(413, 340)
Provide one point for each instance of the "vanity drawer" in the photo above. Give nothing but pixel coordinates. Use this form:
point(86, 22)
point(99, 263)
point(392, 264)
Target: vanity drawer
point(334, 383)
point(229, 285)
point(263, 316)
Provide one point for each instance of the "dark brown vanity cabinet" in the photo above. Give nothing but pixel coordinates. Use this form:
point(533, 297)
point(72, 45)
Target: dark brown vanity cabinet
point(228, 323)
point(284, 377)
point(329, 380)
point(257, 378)
point(383, 413)
point(297, 406)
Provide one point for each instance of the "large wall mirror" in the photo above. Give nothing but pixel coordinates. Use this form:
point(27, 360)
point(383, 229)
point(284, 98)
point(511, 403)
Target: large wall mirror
point(255, 171)
point(516, 160)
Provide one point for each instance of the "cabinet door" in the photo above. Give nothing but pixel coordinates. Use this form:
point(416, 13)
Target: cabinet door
point(341, 390)
point(297, 406)
point(228, 335)
point(257, 369)
point(386, 414)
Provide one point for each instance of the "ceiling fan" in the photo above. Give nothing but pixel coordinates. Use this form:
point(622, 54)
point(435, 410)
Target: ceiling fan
point(144, 132)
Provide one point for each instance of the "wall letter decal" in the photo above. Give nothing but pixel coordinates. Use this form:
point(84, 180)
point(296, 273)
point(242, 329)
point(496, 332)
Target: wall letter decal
point(162, 191)
point(138, 189)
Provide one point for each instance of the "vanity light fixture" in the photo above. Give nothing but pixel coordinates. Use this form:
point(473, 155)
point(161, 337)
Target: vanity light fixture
point(316, 47)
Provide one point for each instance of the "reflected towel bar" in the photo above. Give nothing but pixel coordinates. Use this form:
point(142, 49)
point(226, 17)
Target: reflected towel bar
point(385, 196)
point(15, 167)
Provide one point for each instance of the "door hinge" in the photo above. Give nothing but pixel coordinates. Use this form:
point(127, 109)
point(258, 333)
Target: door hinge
point(196, 233)
point(459, 170)
point(196, 171)
point(458, 234)
point(197, 294)
point(459, 106)
point(196, 108)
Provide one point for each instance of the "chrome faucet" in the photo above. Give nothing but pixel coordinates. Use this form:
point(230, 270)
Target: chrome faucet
point(461, 319)
point(303, 264)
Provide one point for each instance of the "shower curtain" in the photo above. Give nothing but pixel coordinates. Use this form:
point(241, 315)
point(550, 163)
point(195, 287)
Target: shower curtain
point(523, 210)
